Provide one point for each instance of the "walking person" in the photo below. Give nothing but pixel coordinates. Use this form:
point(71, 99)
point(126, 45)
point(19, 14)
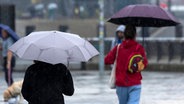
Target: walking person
point(52, 10)
point(119, 35)
point(128, 84)
point(8, 57)
point(46, 83)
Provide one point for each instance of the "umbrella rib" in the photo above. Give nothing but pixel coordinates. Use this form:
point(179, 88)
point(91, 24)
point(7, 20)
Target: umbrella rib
point(72, 41)
point(79, 49)
point(87, 48)
point(41, 50)
point(28, 48)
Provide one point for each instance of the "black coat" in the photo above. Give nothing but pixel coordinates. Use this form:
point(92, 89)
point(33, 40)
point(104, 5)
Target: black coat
point(45, 83)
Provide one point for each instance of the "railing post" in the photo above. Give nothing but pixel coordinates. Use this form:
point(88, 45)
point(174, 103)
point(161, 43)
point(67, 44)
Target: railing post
point(182, 51)
point(159, 51)
point(171, 50)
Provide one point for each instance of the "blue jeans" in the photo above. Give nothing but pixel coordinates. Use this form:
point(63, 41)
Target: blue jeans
point(129, 95)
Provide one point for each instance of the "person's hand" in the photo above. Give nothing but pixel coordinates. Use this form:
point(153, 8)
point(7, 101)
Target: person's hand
point(140, 66)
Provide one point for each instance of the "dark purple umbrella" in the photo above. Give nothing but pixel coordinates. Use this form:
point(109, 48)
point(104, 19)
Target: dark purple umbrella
point(144, 15)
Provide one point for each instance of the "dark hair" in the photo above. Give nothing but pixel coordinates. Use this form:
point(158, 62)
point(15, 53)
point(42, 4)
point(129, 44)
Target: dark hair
point(130, 32)
point(7, 33)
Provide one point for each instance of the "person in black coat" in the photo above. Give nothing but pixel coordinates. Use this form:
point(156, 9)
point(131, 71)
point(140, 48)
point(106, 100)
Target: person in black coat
point(45, 83)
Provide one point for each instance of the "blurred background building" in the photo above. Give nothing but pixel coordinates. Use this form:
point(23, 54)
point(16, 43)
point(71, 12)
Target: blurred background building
point(82, 17)
point(82, 8)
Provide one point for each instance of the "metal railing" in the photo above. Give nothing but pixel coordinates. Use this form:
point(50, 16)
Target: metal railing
point(158, 50)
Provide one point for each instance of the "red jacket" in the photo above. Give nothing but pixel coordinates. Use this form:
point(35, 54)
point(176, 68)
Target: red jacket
point(123, 77)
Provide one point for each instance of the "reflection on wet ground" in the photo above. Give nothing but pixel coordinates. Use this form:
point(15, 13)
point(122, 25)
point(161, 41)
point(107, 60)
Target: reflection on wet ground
point(90, 88)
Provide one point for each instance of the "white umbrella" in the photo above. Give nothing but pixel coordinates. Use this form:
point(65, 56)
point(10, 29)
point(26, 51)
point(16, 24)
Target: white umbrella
point(54, 47)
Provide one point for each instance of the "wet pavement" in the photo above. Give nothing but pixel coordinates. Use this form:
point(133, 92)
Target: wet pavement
point(90, 88)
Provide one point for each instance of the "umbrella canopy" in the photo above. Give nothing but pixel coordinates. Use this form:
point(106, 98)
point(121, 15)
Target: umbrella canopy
point(54, 47)
point(144, 15)
point(14, 36)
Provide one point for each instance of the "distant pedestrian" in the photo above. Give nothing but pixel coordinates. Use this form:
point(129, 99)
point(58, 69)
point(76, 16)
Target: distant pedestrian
point(128, 84)
point(119, 36)
point(52, 9)
point(45, 83)
point(8, 57)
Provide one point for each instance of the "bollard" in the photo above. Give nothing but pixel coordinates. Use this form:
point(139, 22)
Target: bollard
point(30, 29)
point(83, 65)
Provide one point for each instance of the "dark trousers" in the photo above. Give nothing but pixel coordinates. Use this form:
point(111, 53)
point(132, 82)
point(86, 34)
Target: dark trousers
point(8, 75)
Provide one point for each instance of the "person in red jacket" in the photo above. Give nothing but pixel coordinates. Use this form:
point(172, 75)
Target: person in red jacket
point(128, 85)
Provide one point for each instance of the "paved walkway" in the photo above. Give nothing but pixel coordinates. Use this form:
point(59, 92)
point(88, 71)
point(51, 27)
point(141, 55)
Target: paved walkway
point(90, 88)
